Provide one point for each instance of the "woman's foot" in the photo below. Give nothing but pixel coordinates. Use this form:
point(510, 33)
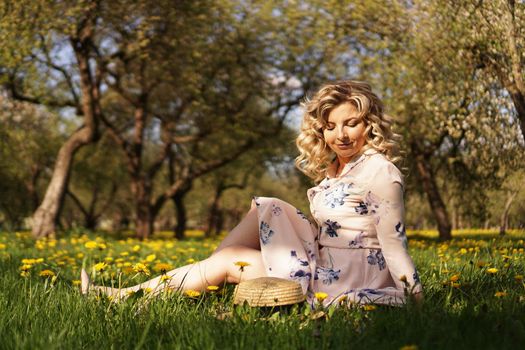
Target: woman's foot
point(85, 282)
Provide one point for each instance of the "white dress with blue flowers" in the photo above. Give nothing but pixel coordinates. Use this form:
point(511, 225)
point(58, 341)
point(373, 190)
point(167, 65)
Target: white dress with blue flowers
point(357, 248)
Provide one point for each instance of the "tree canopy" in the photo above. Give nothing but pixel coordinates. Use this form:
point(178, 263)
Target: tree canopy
point(124, 109)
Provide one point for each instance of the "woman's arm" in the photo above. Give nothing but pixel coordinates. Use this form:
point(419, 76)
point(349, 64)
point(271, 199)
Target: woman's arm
point(385, 197)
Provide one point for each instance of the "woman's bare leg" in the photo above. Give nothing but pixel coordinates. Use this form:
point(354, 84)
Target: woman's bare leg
point(215, 270)
point(246, 233)
point(241, 244)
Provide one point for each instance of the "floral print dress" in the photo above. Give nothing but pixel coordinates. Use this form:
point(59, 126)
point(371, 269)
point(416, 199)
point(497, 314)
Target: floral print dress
point(357, 248)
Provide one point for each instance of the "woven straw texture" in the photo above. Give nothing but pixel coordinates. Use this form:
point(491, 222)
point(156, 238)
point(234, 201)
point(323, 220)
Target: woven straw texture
point(268, 291)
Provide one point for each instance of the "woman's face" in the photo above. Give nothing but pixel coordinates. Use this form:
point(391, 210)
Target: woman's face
point(345, 132)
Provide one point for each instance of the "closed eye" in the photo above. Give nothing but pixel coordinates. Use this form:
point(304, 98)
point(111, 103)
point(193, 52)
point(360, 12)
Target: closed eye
point(353, 122)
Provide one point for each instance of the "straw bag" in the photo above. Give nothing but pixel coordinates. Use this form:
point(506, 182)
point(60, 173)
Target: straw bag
point(268, 291)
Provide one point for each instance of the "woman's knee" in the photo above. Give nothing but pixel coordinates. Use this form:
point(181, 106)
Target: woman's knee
point(232, 257)
point(240, 263)
point(232, 251)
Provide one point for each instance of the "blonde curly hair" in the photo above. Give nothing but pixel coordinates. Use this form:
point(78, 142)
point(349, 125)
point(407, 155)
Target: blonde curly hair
point(315, 156)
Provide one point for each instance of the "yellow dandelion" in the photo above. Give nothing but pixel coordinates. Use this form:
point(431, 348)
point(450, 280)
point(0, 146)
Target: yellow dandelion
point(108, 259)
point(192, 293)
point(500, 294)
point(190, 261)
point(124, 254)
point(454, 278)
point(164, 278)
point(320, 296)
point(76, 282)
point(408, 347)
point(148, 290)
point(463, 251)
point(24, 273)
point(141, 268)
point(162, 267)
point(46, 273)
point(492, 270)
point(102, 246)
point(212, 288)
point(369, 307)
point(241, 264)
point(128, 270)
point(25, 267)
point(151, 258)
point(2, 246)
point(99, 267)
point(91, 244)
point(518, 278)
point(481, 264)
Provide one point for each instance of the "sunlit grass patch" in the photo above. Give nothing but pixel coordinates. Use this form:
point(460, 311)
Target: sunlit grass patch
point(472, 282)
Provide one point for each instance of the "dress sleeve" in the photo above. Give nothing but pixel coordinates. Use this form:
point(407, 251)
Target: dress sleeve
point(385, 197)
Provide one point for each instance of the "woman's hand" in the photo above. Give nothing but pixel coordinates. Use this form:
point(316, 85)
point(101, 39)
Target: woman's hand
point(418, 298)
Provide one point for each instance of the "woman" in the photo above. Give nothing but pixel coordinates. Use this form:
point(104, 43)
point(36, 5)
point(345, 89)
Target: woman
point(357, 248)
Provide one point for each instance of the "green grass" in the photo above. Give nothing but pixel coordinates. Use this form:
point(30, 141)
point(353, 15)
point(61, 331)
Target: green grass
point(39, 314)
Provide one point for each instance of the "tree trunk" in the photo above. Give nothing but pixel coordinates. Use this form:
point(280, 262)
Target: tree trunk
point(180, 228)
point(455, 215)
point(504, 220)
point(214, 211)
point(216, 215)
point(219, 223)
point(144, 215)
point(46, 216)
point(213, 217)
point(144, 222)
point(434, 198)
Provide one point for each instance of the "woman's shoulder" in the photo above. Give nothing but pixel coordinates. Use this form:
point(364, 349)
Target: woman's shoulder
point(379, 168)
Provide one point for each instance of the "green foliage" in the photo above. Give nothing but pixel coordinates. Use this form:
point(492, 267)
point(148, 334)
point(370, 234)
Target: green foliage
point(29, 141)
point(444, 107)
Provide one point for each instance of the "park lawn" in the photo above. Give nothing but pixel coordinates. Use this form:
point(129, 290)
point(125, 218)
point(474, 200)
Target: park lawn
point(474, 298)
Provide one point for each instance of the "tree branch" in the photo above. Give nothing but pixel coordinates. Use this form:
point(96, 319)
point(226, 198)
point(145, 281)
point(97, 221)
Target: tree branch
point(76, 200)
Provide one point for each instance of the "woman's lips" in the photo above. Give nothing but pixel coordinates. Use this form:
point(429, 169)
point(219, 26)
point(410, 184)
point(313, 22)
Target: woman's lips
point(344, 146)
